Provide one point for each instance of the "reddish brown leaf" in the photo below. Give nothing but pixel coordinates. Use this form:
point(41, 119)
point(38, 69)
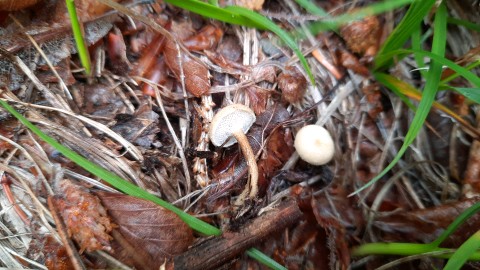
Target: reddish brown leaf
point(117, 52)
point(196, 74)
point(258, 98)
point(149, 229)
point(206, 39)
point(278, 150)
point(86, 219)
point(149, 55)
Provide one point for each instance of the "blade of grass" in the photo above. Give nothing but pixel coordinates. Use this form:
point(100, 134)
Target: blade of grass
point(461, 71)
point(463, 253)
point(417, 45)
point(432, 82)
point(466, 24)
point(414, 16)
point(264, 259)
point(471, 93)
point(455, 75)
point(312, 8)
point(404, 90)
point(456, 223)
point(404, 249)
point(113, 179)
point(78, 36)
point(284, 36)
point(373, 9)
point(395, 85)
point(214, 12)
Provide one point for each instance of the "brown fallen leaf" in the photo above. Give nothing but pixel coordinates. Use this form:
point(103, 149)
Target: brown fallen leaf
point(196, 75)
point(86, 219)
point(154, 233)
point(206, 39)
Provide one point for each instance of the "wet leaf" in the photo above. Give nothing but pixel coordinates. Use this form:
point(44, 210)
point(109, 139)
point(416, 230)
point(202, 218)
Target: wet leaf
point(147, 227)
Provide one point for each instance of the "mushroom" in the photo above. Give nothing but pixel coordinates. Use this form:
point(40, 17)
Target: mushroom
point(229, 126)
point(314, 145)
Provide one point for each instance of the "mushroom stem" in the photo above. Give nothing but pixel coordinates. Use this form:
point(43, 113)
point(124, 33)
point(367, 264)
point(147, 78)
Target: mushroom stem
point(251, 162)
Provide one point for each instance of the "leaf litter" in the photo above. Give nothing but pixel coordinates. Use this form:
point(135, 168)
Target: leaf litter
point(186, 72)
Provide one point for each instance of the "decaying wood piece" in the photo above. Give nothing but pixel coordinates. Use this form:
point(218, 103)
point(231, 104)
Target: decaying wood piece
point(220, 250)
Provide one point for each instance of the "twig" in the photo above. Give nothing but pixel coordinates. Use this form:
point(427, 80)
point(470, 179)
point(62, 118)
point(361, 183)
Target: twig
point(218, 251)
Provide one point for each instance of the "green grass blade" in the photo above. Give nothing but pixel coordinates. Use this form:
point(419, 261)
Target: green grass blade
point(461, 71)
point(466, 24)
point(471, 93)
point(214, 12)
point(373, 9)
point(113, 179)
point(417, 45)
point(409, 24)
point(395, 85)
point(312, 8)
point(461, 255)
point(284, 36)
point(432, 82)
point(456, 223)
point(405, 249)
point(264, 259)
point(78, 36)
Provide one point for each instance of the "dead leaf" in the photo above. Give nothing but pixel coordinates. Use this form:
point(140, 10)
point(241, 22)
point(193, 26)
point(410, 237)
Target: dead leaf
point(157, 233)
point(206, 39)
point(196, 77)
point(258, 98)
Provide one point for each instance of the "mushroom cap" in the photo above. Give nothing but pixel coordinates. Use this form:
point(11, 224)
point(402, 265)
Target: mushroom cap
point(228, 120)
point(314, 145)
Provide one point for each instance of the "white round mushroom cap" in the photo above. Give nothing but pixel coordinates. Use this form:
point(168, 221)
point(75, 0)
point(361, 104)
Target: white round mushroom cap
point(232, 118)
point(314, 145)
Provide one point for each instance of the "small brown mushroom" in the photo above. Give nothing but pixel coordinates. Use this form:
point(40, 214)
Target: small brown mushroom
point(11, 5)
point(228, 126)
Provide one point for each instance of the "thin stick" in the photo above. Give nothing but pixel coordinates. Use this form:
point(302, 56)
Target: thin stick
point(216, 251)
